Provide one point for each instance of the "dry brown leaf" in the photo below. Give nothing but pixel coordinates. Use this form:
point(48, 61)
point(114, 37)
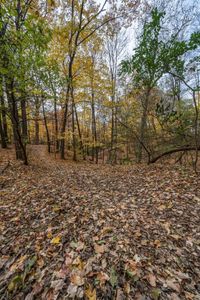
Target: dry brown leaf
point(174, 296)
point(151, 279)
point(102, 277)
point(99, 249)
point(77, 279)
point(173, 286)
point(120, 295)
point(72, 290)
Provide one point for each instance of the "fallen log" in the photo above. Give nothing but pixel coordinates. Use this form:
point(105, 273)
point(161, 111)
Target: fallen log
point(185, 149)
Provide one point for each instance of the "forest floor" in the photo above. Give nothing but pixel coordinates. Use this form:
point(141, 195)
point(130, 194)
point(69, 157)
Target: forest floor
point(82, 231)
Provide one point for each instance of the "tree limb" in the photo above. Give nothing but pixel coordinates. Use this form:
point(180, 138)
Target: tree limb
point(184, 148)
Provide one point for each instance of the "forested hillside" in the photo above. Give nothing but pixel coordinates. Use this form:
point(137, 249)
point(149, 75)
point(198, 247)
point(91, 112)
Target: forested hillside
point(70, 80)
point(99, 149)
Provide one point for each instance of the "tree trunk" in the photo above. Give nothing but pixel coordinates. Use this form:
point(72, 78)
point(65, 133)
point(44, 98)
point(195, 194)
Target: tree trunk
point(4, 119)
point(3, 138)
point(196, 130)
point(37, 125)
point(143, 125)
point(24, 120)
point(63, 127)
point(112, 155)
point(46, 127)
point(184, 149)
point(79, 130)
point(20, 148)
point(56, 122)
point(2, 131)
point(73, 134)
point(94, 130)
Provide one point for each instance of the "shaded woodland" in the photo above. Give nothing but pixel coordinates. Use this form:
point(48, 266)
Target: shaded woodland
point(99, 149)
point(69, 79)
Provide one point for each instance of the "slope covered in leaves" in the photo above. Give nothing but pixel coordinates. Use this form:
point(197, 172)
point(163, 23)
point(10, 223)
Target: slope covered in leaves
point(81, 231)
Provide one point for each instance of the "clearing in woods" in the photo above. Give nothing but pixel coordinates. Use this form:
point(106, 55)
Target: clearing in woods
point(97, 232)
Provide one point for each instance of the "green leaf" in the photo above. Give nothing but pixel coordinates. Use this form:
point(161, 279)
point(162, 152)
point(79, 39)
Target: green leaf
point(155, 294)
point(15, 283)
point(113, 277)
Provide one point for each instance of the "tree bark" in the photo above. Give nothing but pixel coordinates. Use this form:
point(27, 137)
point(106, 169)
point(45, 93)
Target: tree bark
point(73, 134)
point(4, 119)
point(94, 130)
point(182, 149)
point(56, 122)
point(46, 127)
point(37, 125)
point(63, 127)
point(3, 134)
point(24, 120)
point(3, 139)
point(20, 147)
point(143, 125)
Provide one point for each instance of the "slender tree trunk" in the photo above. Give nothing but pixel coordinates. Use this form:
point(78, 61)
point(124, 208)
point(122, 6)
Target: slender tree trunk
point(94, 130)
point(115, 135)
point(24, 120)
point(196, 131)
point(4, 119)
point(20, 147)
point(79, 131)
point(112, 156)
point(143, 126)
point(112, 132)
point(2, 135)
point(56, 122)
point(77, 122)
point(46, 127)
point(37, 125)
point(63, 127)
point(74, 134)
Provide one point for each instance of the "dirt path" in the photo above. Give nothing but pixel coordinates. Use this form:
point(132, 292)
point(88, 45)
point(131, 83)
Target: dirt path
point(98, 232)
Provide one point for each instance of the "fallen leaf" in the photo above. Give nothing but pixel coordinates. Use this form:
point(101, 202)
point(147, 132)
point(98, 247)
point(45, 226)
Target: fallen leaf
point(15, 283)
point(72, 290)
point(90, 293)
point(19, 264)
point(157, 243)
point(99, 249)
point(151, 279)
point(57, 285)
point(77, 279)
point(120, 295)
point(155, 294)
point(113, 277)
point(174, 296)
point(56, 240)
point(173, 286)
point(102, 277)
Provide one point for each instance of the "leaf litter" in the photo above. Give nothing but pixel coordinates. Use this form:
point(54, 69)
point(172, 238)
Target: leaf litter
point(81, 231)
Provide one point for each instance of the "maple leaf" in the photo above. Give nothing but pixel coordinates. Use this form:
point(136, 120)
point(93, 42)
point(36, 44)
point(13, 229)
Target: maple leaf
point(90, 293)
point(56, 240)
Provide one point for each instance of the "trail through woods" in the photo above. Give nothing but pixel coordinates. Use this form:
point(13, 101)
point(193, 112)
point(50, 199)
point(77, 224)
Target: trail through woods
point(81, 231)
